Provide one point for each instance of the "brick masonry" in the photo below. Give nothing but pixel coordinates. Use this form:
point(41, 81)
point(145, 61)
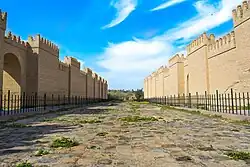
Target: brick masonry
point(210, 64)
point(34, 66)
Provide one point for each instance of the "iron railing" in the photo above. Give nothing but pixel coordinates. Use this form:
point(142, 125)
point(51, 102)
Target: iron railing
point(15, 103)
point(233, 103)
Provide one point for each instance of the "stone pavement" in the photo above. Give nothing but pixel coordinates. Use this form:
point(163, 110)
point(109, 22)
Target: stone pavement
point(126, 135)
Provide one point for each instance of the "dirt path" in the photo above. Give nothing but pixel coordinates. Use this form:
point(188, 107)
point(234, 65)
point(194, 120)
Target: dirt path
point(132, 135)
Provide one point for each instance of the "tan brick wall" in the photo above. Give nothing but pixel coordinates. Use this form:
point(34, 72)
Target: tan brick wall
point(40, 68)
point(213, 64)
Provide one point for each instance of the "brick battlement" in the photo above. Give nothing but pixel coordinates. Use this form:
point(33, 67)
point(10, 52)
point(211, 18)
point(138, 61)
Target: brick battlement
point(197, 43)
point(3, 20)
point(44, 44)
point(241, 13)
point(16, 41)
point(88, 71)
point(72, 62)
point(63, 66)
point(222, 44)
point(176, 59)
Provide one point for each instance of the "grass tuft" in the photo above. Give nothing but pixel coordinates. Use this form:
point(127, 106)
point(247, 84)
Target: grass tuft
point(137, 119)
point(41, 152)
point(24, 164)
point(238, 155)
point(64, 142)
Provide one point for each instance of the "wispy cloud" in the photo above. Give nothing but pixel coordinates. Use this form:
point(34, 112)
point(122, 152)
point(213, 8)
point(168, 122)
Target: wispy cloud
point(209, 16)
point(124, 8)
point(167, 4)
point(128, 62)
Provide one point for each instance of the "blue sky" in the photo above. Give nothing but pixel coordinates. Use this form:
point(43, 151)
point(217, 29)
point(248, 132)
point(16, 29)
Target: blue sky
point(122, 40)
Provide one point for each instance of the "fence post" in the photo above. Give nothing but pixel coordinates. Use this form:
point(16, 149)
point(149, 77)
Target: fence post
point(205, 100)
point(190, 100)
point(174, 101)
point(197, 100)
point(248, 105)
point(217, 100)
point(232, 100)
point(236, 105)
point(8, 104)
point(244, 103)
point(240, 104)
point(44, 101)
point(1, 102)
point(36, 106)
point(52, 100)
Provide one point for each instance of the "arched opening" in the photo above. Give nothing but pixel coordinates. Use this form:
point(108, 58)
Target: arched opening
point(11, 74)
point(187, 84)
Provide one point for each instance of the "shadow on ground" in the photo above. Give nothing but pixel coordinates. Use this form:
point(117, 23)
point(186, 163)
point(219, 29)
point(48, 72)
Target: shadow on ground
point(15, 139)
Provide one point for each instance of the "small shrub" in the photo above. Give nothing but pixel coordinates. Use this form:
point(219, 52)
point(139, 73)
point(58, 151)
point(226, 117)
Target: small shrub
point(137, 119)
point(24, 164)
point(238, 155)
point(64, 142)
point(41, 152)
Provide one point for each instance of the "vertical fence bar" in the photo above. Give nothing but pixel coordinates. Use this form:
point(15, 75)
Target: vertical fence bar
point(240, 104)
point(222, 97)
point(229, 103)
point(1, 103)
point(4, 104)
point(52, 101)
point(58, 101)
point(213, 102)
point(217, 101)
point(8, 103)
point(44, 101)
point(220, 102)
point(248, 106)
point(232, 100)
point(12, 105)
point(36, 102)
point(244, 103)
point(236, 103)
point(190, 105)
point(205, 100)
point(208, 102)
point(174, 100)
point(197, 100)
point(19, 103)
point(15, 108)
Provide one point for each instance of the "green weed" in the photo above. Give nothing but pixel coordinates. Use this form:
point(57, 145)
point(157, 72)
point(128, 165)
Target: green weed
point(137, 119)
point(41, 152)
point(238, 155)
point(24, 164)
point(64, 142)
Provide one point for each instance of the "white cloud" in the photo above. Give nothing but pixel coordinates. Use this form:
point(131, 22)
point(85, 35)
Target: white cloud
point(124, 9)
point(208, 17)
point(167, 4)
point(127, 63)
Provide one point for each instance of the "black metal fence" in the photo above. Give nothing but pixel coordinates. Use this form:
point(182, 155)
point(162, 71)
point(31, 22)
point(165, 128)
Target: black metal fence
point(233, 103)
point(15, 103)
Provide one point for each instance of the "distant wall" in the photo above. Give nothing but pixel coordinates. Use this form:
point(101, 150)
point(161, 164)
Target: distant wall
point(212, 64)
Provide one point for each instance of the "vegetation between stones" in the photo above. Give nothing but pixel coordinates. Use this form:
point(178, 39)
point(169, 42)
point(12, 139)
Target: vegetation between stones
point(137, 119)
point(64, 142)
point(238, 155)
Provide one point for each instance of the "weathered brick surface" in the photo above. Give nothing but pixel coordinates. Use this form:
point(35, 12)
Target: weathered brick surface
point(211, 64)
point(34, 66)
